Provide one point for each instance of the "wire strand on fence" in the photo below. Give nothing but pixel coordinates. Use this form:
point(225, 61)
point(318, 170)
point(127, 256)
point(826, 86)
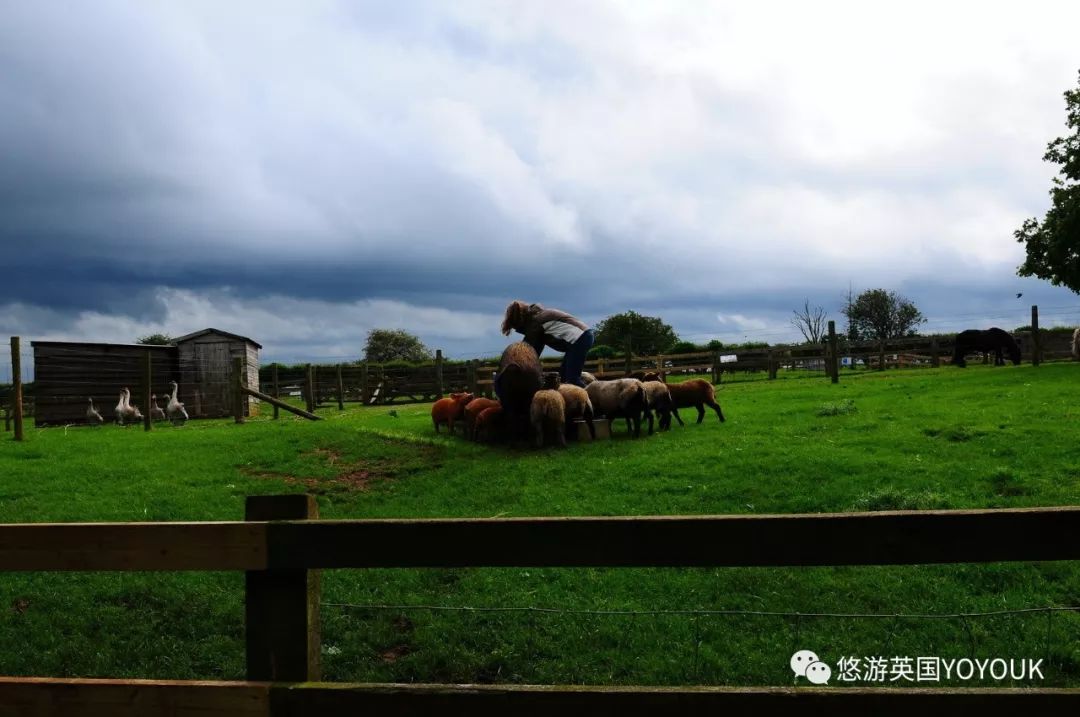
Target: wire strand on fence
point(702, 612)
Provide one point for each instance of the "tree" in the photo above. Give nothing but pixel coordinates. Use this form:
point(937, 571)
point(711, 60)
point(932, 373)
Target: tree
point(601, 351)
point(1053, 245)
point(880, 314)
point(683, 347)
point(394, 345)
point(155, 340)
point(810, 321)
point(645, 335)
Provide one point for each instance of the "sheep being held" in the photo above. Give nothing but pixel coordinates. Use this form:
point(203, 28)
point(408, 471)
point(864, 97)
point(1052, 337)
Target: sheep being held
point(623, 397)
point(696, 392)
point(448, 410)
point(519, 377)
point(547, 414)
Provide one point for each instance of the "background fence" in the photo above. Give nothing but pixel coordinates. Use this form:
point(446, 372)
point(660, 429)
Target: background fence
point(378, 384)
point(282, 546)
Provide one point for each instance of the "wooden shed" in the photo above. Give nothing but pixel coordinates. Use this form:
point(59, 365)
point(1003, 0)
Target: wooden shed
point(206, 362)
point(66, 373)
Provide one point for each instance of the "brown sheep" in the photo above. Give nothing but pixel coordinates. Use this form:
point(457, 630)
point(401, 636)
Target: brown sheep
point(578, 405)
point(696, 392)
point(621, 397)
point(659, 401)
point(489, 424)
point(448, 410)
point(472, 411)
point(548, 415)
point(519, 377)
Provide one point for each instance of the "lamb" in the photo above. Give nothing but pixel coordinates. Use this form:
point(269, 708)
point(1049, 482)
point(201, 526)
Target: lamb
point(489, 423)
point(659, 401)
point(578, 405)
point(472, 412)
point(587, 377)
point(174, 409)
point(547, 414)
point(448, 410)
point(1076, 345)
point(696, 392)
point(622, 397)
point(92, 416)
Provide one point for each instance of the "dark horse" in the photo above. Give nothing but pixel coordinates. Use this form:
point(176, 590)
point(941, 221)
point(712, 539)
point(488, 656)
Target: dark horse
point(992, 340)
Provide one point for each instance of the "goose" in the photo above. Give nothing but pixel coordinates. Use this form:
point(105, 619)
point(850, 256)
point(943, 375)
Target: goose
point(121, 409)
point(92, 416)
point(155, 410)
point(174, 408)
point(131, 412)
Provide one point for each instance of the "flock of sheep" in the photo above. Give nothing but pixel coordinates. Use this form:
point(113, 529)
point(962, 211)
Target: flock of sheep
point(127, 413)
point(536, 404)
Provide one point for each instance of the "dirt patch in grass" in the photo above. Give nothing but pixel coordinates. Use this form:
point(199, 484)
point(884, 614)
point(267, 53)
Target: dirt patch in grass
point(349, 475)
point(395, 653)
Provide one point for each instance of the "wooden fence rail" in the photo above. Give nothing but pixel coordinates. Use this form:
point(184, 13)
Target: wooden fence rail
point(144, 698)
point(282, 547)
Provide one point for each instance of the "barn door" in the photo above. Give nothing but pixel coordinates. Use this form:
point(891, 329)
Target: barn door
point(212, 377)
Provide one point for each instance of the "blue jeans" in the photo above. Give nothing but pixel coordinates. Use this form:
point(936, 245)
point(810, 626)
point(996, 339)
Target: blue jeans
point(574, 359)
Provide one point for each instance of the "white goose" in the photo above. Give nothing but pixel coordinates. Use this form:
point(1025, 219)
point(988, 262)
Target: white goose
point(92, 416)
point(174, 409)
point(121, 409)
point(155, 410)
point(131, 412)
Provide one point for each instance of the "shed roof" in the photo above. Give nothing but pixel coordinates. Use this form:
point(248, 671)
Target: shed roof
point(197, 334)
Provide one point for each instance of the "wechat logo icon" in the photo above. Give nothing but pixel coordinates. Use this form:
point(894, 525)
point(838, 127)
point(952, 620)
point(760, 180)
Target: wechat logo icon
point(805, 663)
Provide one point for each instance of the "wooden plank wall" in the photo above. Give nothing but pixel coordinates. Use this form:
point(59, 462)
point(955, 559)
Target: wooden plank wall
point(206, 367)
point(66, 374)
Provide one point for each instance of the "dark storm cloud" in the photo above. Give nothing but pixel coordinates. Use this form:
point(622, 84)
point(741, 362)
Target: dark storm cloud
point(408, 158)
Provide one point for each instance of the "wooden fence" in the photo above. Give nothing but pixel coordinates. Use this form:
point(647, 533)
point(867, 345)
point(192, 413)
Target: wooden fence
point(282, 547)
point(322, 386)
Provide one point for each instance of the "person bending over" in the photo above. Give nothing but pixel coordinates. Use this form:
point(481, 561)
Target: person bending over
point(550, 327)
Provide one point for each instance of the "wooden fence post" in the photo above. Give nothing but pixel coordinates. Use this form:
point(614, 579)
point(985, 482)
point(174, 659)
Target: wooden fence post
point(716, 366)
point(1036, 339)
point(282, 605)
point(238, 389)
point(629, 359)
point(364, 384)
point(340, 390)
point(309, 375)
point(16, 387)
point(438, 373)
point(470, 371)
point(772, 364)
point(935, 358)
point(835, 355)
point(277, 390)
point(881, 355)
point(147, 377)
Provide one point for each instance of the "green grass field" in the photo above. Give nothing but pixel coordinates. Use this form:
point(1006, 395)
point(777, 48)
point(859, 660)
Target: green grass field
point(918, 439)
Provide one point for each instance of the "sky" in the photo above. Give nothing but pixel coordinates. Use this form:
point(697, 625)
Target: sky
point(301, 173)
